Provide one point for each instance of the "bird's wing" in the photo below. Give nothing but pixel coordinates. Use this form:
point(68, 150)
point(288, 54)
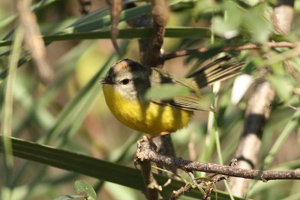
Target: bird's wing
point(217, 70)
point(193, 101)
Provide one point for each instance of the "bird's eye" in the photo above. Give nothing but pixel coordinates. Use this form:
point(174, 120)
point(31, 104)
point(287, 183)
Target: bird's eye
point(125, 81)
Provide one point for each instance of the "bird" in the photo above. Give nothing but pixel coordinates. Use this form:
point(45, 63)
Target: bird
point(125, 89)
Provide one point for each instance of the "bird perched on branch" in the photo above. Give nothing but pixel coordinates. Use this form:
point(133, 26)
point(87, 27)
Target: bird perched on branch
point(126, 87)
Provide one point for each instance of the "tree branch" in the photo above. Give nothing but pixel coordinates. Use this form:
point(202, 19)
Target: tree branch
point(147, 152)
point(209, 184)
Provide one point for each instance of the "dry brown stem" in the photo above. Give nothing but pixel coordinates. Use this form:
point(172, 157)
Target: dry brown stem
point(115, 12)
point(34, 41)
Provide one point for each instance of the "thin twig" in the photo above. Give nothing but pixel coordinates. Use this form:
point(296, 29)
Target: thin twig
point(209, 184)
point(168, 56)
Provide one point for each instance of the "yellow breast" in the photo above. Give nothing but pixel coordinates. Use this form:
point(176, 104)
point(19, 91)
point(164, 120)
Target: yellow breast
point(146, 117)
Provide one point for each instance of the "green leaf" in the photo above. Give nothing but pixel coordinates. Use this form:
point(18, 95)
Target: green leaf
point(257, 24)
point(252, 19)
point(228, 27)
point(283, 86)
point(96, 168)
point(171, 32)
point(205, 7)
point(68, 197)
point(81, 186)
point(167, 91)
point(7, 106)
point(226, 30)
point(97, 23)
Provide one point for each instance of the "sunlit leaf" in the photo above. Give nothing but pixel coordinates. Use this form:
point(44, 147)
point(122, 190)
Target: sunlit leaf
point(229, 27)
point(167, 91)
point(82, 186)
point(283, 86)
point(257, 24)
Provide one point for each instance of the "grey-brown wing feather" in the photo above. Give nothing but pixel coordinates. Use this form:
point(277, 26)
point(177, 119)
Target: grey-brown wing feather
point(217, 70)
point(188, 102)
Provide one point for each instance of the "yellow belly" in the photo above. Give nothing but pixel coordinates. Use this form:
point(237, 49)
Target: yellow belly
point(146, 117)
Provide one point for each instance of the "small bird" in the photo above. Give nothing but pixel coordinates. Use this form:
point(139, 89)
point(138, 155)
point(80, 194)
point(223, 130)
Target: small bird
point(127, 82)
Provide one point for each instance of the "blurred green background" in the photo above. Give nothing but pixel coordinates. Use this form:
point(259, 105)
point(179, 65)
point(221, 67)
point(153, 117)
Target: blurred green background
point(70, 112)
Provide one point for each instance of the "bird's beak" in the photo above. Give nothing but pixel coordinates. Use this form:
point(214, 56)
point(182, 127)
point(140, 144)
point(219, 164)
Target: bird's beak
point(107, 80)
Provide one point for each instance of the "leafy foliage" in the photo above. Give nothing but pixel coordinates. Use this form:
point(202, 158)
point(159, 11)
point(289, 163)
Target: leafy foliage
point(70, 113)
